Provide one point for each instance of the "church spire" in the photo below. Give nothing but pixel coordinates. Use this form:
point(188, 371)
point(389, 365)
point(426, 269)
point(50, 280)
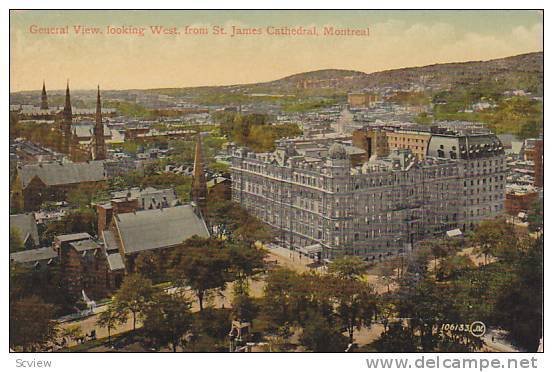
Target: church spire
point(67, 121)
point(199, 185)
point(98, 140)
point(44, 97)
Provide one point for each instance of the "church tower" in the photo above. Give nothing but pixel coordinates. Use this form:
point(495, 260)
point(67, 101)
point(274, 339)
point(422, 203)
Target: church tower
point(44, 98)
point(67, 120)
point(199, 185)
point(98, 140)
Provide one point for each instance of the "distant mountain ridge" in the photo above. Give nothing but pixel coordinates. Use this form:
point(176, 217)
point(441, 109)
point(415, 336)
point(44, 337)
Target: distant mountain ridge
point(510, 69)
point(524, 71)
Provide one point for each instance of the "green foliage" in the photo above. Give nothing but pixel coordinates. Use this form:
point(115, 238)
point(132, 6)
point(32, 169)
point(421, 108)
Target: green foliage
point(203, 265)
point(494, 238)
point(110, 318)
point(130, 109)
point(85, 194)
point(309, 105)
point(133, 295)
point(31, 327)
point(44, 134)
point(254, 130)
point(521, 116)
point(244, 308)
point(234, 222)
point(167, 319)
point(519, 307)
point(410, 98)
point(348, 267)
point(453, 265)
point(535, 216)
point(76, 221)
point(320, 336)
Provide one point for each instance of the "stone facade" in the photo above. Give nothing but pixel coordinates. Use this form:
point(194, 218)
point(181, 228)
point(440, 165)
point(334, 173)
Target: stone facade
point(375, 209)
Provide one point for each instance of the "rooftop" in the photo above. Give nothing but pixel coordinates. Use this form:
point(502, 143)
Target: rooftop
point(158, 228)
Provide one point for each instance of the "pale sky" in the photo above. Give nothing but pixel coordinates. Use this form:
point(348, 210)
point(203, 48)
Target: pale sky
point(397, 39)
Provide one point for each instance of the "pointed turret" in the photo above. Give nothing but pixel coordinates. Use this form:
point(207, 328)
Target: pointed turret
point(44, 97)
point(199, 185)
point(98, 140)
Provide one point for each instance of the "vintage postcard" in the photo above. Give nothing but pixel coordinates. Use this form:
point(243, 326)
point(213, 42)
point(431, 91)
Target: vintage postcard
point(329, 181)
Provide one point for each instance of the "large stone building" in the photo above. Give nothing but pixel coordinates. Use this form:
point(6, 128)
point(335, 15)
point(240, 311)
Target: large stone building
point(377, 208)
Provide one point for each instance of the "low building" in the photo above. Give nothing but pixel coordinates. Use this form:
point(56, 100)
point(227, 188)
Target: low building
point(83, 264)
point(36, 183)
point(129, 234)
point(520, 198)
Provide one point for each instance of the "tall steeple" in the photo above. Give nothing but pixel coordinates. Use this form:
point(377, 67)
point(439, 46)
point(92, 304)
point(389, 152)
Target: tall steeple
point(98, 140)
point(44, 97)
point(67, 120)
point(199, 185)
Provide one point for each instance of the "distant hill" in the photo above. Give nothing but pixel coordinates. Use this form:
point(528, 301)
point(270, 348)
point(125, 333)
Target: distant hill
point(524, 71)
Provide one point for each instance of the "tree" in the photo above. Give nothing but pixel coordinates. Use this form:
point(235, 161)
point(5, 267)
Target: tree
point(355, 304)
point(535, 216)
point(322, 337)
point(82, 196)
point(76, 221)
point(450, 266)
point(491, 236)
point(251, 230)
point(31, 324)
point(244, 262)
point(149, 264)
point(203, 265)
point(347, 267)
point(244, 308)
point(396, 339)
point(519, 306)
point(167, 319)
point(133, 295)
point(110, 318)
point(280, 286)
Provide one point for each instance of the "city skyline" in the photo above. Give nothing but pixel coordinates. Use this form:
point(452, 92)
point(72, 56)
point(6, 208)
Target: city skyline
point(164, 61)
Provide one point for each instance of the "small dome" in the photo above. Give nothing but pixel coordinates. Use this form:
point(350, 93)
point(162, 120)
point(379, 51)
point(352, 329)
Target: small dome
point(337, 151)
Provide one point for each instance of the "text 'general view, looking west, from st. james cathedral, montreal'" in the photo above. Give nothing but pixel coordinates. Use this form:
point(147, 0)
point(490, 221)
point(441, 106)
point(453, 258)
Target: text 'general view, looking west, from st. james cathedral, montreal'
point(339, 200)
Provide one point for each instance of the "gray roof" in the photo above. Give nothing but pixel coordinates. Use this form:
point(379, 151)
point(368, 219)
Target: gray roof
point(55, 173)
point(115, 261)
point(32, 255)
point(73, 237)
point(84, 245)
point(26, 226)
point(158, 228)
point(109, 241)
